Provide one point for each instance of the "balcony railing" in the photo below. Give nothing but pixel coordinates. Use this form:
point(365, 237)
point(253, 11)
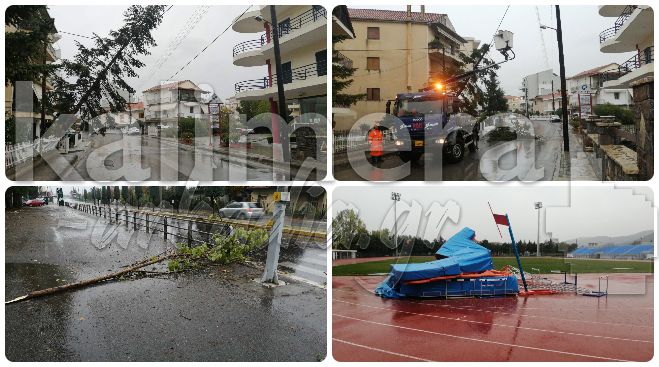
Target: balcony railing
point(611, 32)
point(296, 74)
point(643, 57)
point(249, 45)
point(315, 14)
point(342, 60)
point(285, 27)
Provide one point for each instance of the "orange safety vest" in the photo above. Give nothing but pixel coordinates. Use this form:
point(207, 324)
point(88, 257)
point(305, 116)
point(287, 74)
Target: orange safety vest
point(375, 141)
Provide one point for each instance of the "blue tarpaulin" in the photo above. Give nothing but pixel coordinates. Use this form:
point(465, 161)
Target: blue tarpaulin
point(460, 254)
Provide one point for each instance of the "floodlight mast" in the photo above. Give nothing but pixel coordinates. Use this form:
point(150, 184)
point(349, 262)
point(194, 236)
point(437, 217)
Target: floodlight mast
point(395, 196)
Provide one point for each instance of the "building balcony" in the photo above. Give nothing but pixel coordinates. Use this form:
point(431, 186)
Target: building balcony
point(308, 80)
point(634, 25)
point(307, 28)
point(638, 66)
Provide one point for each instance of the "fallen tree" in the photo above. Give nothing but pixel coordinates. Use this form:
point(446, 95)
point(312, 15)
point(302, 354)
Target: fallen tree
point(66, 287)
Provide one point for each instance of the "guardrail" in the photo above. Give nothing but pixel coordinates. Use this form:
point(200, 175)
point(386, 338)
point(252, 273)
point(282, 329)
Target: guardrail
point(248, 46)
point(312, 15)
point(195, 229)
point(344, 140)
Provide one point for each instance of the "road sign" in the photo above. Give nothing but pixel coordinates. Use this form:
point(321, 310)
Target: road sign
point(281, 196)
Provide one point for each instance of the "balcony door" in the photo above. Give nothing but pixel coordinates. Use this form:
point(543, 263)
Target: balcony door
point(287, 71)
point(321, 63)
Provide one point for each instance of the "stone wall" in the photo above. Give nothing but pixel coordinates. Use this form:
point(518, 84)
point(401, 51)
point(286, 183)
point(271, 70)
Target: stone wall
point(644, 121)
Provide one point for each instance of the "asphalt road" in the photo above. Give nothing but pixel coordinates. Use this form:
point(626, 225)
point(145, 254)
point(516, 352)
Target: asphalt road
point(469, 168)
point(218, 313)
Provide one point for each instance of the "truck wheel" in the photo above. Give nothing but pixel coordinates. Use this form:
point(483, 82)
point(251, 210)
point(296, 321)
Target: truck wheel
point(456, 152)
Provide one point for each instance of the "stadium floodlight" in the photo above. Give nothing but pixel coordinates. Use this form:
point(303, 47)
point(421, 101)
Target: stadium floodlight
point(395, 196)
point(538, 206)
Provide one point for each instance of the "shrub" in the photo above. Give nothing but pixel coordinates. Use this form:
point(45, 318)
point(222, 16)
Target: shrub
point(623, 115)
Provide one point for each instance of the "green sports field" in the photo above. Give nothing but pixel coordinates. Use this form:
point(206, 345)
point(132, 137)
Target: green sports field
point(544, 264)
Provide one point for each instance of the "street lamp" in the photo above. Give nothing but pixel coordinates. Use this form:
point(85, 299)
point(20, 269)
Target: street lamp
point(395, 196)
point(561, 62)
point(538, 206)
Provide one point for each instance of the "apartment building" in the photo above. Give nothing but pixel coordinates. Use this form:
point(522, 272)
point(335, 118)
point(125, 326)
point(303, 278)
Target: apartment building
point(516, 104)
point(632, 30)
point(302, 41)
point(592, 81)
point(165, 103)
point(540, 83)
point(398, 52)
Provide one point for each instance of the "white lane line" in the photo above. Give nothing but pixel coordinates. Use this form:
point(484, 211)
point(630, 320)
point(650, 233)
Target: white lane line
point(382, 350)
point(480, 340)
point(469, 308)
point(495, 324)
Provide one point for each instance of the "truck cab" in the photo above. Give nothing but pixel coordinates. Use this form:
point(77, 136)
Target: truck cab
point(425, 118)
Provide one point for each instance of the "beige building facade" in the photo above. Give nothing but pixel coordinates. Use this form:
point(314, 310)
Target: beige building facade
point(397, 52)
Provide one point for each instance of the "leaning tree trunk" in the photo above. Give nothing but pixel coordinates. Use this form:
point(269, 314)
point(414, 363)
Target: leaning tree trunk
point(84, 283)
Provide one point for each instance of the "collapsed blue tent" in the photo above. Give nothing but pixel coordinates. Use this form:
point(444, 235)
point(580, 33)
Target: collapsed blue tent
point(463, 268)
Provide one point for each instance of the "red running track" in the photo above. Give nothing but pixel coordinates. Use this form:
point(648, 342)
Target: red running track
point(565, 327)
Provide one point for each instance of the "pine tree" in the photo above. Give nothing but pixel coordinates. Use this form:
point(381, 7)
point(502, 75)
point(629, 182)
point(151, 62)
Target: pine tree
point(98, 73)
point(342, 72)
point(495, 98)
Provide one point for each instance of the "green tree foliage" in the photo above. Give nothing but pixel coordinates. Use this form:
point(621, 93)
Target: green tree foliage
point(495, 99)
point(623, 115)
point(27, 33)
point(98, 73)
point(347, 228)
point(342, 72)
point(253, 108)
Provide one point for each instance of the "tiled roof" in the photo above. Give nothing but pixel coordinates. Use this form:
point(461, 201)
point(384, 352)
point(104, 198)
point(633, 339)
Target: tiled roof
point(394, 15)
point(136, 105)
point(172, 85)
point(595, 71)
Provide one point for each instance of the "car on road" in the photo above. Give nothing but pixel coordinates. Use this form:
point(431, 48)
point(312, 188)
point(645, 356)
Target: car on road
point(242, 210)
point(35, 202)
point(555, 118)
point(133, 131)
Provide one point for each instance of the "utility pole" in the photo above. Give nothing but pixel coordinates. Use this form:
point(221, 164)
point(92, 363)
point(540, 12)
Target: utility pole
point(44, 74)
point(395, 196)
point(278, 137)
point(553, 102)
point(561, 61)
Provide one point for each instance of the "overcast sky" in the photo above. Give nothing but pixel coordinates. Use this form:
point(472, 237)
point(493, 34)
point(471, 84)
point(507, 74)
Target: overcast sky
point(581, 28)
point(214, 67)
point(570, 212)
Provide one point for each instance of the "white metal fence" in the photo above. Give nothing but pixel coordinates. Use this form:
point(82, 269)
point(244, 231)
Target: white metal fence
point(21, 152)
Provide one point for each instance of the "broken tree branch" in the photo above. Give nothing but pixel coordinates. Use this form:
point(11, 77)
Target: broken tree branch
point(84, 283)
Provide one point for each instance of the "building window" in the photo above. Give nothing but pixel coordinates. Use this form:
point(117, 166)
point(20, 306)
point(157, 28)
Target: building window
point(321, 62)
point(287, 71)
point(372, 94)
point(191, 109)
point(372, 63)
point(616, 95)
point(284, 27)
point(373, 33)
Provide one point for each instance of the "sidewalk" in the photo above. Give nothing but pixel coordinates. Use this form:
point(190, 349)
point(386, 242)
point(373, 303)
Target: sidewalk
point(577, 167)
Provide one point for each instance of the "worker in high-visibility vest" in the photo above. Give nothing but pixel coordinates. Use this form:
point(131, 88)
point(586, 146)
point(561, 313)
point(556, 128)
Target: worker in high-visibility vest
point(375, 140)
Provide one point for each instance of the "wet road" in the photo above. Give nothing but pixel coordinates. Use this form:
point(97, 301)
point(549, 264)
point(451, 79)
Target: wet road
point(136, 158)
point(495, 164)
point(217, 313)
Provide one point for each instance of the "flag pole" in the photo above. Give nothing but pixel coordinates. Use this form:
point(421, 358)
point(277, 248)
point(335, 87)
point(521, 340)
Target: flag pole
point(519, 262)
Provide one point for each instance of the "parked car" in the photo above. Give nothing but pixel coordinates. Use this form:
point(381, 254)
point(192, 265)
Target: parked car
point(133, 131)
point(554, 118)
point(242, 210)
point(35, 202)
